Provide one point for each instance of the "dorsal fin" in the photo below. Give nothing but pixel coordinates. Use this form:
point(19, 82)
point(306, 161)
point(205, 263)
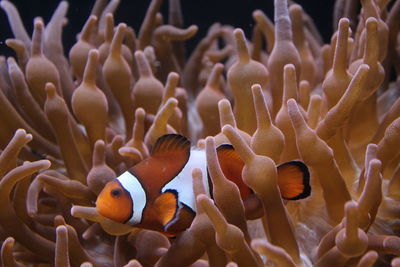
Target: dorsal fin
point(229, 152)
point(232, 166)
point(170, 143)
point(169, 156)
point(294, 180)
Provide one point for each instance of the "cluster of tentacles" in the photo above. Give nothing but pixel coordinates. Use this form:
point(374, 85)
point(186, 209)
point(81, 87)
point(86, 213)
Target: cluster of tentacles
point(69, 124)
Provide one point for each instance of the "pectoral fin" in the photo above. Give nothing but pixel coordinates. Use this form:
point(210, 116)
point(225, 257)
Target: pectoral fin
point(173, 215)
point(167, 207)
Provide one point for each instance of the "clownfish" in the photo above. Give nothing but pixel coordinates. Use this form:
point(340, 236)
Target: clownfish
point(157, 193)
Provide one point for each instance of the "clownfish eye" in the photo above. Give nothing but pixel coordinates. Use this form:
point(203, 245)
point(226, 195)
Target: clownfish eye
point(116, 192)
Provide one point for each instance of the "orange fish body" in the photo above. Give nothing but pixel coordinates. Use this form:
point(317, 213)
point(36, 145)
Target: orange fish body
point(157, 193)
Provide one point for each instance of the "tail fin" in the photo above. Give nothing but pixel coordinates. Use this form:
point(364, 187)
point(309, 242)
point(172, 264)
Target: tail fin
point(294, 180)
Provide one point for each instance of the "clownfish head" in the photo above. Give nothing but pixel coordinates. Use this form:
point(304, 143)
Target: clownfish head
point(114, 202)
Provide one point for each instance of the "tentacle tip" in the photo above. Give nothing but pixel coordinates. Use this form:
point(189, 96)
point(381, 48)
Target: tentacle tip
point(315, 97)
point(375, 163)
point(201, 144)
point(373, 254)
point(350, 206)
point(61, 229)
point(256, 87)
point(28, 137)
point(296, 8)
point(124, 151)
point(289, 68)
point(64, 3)
point(193, 28)
point(92, 19)
point(172, 101)
point(227, 129)
point(140, 112)
point(50, 89)
point(46, 164)
point(257, 13)
point(292, 104)
point(364, 67)
point(118, 139)
point(239, 34)
point(219, 66)
point(49, 85)
point(203, 200)
point(305, 83)
point(10, 60)
point(10, 240)
point(371, 21)
point(122, 26)
point(99, 143)
point(139, 54)
point(395, 262)
point(372, 146)
point(344, 23)
point(20, 132)
point(9, 42)
point(38, 23)
point(74, 211)
point(210, 140)
point(173, 75)
point(93, 53)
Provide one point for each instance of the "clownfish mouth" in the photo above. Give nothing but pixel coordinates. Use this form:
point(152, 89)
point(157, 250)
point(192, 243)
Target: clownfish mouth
point(104, 208)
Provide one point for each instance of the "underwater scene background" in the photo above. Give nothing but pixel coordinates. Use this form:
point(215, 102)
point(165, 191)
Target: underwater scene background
point(87, 88)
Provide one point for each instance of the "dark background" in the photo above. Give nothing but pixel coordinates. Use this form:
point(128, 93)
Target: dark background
point(200, 12)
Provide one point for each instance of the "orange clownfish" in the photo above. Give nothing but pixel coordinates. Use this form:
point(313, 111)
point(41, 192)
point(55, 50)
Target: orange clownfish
point(157, 193)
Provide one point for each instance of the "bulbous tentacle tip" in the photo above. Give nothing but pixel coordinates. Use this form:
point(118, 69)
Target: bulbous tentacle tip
point(241, 46)
point(93, 53)
point(50, 90)
point(140, 112)
point(61, 230)
point(257, 13)
point(227, 129)
point(21, 133)
point(344, 22)
point(45, 164)
point(193, 29)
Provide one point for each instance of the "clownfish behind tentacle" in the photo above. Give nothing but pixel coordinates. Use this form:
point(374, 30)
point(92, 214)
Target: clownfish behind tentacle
point(293, 179)
point(157, 193)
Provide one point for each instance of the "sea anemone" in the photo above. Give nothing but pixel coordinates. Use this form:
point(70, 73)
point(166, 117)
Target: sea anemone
point(69, 124)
